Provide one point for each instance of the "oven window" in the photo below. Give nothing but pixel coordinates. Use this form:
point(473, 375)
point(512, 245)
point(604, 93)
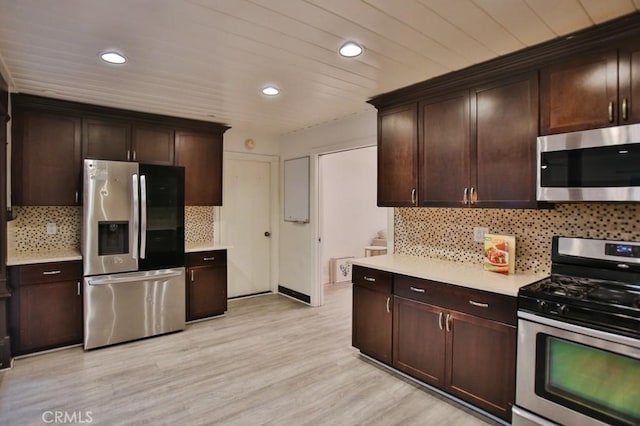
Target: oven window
point(596, 382)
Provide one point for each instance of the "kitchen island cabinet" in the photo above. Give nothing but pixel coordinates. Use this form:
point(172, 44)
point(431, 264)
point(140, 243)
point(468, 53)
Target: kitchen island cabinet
point(372, 318)
point(46, 306)
point(206, 284)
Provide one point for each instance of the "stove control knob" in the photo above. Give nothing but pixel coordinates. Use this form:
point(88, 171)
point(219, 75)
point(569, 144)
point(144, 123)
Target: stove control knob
point(562, 309)
point(542, 306)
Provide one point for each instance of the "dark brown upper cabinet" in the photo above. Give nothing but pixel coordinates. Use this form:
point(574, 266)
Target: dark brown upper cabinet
point(590, 91)
point(45, 158)
point(504, 128)
point(398, 156)
point(153, 145)
point(629, 59)
point(477, 147)
point(51, 137)
point(121, 141)
point(106, 140)
point(200, 153)
point(444, 133)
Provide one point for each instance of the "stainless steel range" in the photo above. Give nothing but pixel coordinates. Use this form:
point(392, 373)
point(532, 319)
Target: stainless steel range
point(579, 337)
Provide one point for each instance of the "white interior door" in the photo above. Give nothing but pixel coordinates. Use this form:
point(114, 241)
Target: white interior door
point(245, 221)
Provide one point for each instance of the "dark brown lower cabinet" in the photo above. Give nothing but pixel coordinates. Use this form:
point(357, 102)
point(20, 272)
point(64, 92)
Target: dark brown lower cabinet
point(46, 306)
point(482, 362)
point(372, 318)
point(470, 357)
point(206, 284)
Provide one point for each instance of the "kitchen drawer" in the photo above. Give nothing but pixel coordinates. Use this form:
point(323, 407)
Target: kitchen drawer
point(483, 304)
point(47, 272)
point(207, 258)
point(421, 290)
point(374, 279)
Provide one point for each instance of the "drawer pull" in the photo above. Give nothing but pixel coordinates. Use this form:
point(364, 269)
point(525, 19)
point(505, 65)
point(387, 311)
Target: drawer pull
point(373, 280)
point(51, 272)
point(478, 304)
point(209, 258)
point(417, 290)
point(440, 316)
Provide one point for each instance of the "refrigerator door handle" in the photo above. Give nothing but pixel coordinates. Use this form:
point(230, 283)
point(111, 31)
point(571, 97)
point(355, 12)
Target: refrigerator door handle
point(143, 216)
point(135, 215)
point(152, 277)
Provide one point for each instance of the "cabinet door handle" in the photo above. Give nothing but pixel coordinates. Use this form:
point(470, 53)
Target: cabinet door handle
point(192, 278)
point(128, 155)
point(78, 288)
point(373, 280)
point(417, 290)
point(610, 112)
point(388, 301)
point(473, 196)
point(206, 259)
point(51, 272)
point(625, 109)
point(76, 197)
point(413, 196)
point(448, 322)
point(440, 316)
point(479, 304)
point(134, 155)
point(465, 197)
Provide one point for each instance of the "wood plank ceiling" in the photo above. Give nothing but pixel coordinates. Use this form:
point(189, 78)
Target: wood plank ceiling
point(208, 59)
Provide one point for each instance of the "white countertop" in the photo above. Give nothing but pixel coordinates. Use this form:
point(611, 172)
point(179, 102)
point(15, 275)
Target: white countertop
point(66, 255)
point(462, 274)
point(205, 247)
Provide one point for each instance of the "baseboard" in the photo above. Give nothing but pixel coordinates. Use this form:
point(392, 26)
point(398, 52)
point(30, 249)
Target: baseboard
point(5, 353)
point(296, 295)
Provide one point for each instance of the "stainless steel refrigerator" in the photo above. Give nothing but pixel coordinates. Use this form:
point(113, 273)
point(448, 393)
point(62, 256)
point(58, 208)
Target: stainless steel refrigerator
point(133, 251)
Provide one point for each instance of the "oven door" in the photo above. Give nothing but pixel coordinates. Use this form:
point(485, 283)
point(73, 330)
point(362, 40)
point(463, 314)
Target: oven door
point(570, 374)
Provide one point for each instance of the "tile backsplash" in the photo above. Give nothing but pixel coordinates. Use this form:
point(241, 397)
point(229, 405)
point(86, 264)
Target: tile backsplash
point(448, 233)
point(27, 233)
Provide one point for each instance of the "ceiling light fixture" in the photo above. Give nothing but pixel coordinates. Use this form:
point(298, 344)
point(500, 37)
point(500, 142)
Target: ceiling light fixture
point(113, 57)
point(350, 49)
point(271, 91)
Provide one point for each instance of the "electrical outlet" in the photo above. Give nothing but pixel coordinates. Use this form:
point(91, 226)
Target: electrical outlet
point(52, 229)
point(478, 233)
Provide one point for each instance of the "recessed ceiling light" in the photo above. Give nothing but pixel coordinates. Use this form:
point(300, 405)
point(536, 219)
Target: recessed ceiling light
point(270, 91)
point(113, 57)
point(350, 49)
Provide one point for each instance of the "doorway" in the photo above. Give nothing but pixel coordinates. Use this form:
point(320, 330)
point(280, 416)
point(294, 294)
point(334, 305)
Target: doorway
point(247, 223)
point(349, 218)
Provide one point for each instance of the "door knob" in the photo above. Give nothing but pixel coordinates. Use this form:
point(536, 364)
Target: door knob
point(267, 234)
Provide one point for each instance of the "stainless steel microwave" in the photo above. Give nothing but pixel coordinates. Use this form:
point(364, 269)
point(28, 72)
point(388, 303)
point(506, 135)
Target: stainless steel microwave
point(591, 165)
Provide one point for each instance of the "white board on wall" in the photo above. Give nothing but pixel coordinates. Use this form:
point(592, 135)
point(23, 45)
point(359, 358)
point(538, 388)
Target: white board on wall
point(296, 190)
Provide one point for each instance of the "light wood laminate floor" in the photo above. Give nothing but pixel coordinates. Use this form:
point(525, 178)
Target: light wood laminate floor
point(270, 360)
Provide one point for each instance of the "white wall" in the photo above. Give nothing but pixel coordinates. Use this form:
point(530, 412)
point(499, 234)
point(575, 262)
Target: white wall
point(235, 138)
point(349, 216)
point(297, 245)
